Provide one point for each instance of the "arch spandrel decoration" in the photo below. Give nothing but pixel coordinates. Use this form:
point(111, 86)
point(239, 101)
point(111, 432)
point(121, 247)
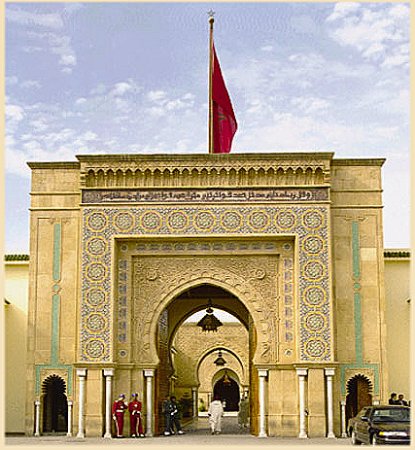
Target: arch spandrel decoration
point(308, 223)
point(366, 374)
point(263, 317)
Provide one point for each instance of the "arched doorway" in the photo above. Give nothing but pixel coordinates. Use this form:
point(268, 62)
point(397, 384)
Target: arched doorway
point(359, 390)
point(55, 405)
point(184, 383)
point(227, 389)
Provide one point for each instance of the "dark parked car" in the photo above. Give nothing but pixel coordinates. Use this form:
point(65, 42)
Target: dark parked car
point(389, 424)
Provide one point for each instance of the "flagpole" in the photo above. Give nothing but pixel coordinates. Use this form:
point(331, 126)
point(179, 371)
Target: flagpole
point(211, 20)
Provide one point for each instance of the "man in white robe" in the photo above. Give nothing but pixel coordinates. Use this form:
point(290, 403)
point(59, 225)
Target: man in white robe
point(215, 414)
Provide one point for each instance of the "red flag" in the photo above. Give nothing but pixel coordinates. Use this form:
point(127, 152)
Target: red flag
point(224, 122)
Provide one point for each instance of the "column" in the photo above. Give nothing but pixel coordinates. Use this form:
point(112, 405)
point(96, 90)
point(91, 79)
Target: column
point(149, 374)
point(343, 417)
point(108, 374)
point(209, 399)
point(194, 399)
point(81, 374)
point(329, 378)
point(37, 417)
point(302, 373)
point(262, 375)
point(69, 432)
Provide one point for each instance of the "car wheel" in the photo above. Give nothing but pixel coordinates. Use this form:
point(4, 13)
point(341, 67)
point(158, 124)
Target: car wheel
point(355, 441)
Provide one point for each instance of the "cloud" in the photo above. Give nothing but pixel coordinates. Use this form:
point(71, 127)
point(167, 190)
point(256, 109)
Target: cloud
point(26, 18)
point(110, 119)
point(41, 29)
point(57, 45)
point(12, 80)
point(342, 10)
point(27, 84)
point(121, 88)
point(31, 84)
point(156, 96)
point(14, 113)
point(310, 105)
point(379, 32)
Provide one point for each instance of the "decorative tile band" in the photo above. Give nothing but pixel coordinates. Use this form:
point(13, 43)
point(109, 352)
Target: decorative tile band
point(211, 195)
point(308, 223)
point(357, 298)
point(54, 352)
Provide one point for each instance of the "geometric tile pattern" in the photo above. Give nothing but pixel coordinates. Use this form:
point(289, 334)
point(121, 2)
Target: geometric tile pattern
point(308, 223)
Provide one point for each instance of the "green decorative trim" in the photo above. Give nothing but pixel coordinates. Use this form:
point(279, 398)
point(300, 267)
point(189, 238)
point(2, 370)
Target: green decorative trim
point(67, 367)
point(359, 364)
point(355, 247)
point(358, 328)
point(54, 353)
point(358, 337)
point(57, 252)
point(374, 367)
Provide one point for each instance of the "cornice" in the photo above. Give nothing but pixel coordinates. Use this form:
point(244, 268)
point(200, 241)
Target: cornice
point(54, 165)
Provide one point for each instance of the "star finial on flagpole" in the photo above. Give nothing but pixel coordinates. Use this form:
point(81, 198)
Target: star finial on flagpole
point(211, 13)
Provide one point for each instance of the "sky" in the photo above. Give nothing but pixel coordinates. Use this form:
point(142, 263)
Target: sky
point(89, 78)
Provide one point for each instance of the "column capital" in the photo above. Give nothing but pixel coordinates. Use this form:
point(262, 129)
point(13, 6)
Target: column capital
point(70, 402)
point(108, 372)
point(37, 402)
point(301, 372)
point(149, 373)
point(343, 402)
point(194, 389)
point(329, 372)
point(263, 372)
point(81, 372)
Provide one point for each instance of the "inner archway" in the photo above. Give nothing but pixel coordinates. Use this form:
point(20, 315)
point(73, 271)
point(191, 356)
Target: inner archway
point(228, 391)
point(187, 354)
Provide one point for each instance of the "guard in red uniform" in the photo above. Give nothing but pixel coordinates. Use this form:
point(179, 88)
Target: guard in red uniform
point(136, 424)
point(118, 409)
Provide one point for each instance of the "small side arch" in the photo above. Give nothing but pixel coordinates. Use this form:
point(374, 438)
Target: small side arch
point(55, 405)
point(359, 390)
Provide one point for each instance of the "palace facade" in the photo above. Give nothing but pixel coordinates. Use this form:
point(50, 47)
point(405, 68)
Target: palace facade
point(125, 248)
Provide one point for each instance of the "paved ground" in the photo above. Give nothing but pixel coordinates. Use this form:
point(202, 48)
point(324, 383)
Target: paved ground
point(197, 434)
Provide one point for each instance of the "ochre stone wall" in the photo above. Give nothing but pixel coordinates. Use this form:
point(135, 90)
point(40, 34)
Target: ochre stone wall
point(294, 239)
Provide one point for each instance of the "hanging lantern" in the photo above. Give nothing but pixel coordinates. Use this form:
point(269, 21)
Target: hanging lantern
point(226, 379)
point(209, 322)
point(219, 361)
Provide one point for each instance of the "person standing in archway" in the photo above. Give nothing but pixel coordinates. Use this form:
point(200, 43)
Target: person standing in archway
point(243, 413)
point(136, 424)
point(215, 414)
point(118, 410)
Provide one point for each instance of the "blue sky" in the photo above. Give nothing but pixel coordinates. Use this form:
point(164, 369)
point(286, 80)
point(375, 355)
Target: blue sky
point(132, 78)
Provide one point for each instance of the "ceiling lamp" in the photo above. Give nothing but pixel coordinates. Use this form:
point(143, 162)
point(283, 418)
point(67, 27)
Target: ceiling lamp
point(209, 322)
point(219, 361)
point(226, 379)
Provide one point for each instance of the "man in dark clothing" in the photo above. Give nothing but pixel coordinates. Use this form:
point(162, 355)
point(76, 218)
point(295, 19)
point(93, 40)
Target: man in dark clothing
point(171, 411)
point(401, 400)
point(394, 399)
point(166, 410)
